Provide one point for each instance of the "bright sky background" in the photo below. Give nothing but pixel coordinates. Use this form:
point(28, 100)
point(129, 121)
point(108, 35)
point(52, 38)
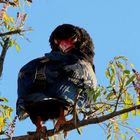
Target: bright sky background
point(114, 26)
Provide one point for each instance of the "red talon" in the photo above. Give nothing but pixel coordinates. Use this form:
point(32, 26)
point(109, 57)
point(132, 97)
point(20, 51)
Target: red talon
point(41, 129)
point(62, 120)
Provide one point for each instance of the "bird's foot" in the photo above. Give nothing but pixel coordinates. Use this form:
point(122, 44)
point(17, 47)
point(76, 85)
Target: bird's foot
point(42, 133)
point(61, 121)
point(41, 129)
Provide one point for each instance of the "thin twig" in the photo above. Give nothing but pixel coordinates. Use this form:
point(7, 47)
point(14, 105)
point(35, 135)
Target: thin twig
point(8, 2)
point(131, 129)
point(118, 98)
point(17, 31)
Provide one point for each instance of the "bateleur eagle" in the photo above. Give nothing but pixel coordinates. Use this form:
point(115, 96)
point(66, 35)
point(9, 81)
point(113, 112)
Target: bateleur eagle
point(48, 87)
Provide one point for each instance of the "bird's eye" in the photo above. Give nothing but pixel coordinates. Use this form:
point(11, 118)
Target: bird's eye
point(74, 38)
point(55, 41)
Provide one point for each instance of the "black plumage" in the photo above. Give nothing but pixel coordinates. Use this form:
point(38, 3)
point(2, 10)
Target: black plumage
point(48, 86)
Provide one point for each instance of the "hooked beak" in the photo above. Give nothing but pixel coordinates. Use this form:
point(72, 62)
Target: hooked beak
point(66, 46)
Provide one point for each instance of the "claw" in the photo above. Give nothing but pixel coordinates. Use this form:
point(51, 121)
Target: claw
point(62, 121)
point(41, 129)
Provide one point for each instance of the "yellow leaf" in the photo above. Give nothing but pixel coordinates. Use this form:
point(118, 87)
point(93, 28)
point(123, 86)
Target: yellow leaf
point(138, 101)
point(123, 136)
point(2, 123)
point(137, 129)
point(11, 19)
point(6, 18)
point(1, 120)
point(128, 101)
point(116, 128)
point(138, 112)
point(53, 137)
point(8, 113)
point(134, 112)
point(132, 65)
point(17, 48)
point(124, 116)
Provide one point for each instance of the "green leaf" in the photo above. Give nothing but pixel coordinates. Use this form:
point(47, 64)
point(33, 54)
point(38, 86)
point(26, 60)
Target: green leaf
point(96, 96)
point(121, 57)
point(112, 69)
point(120, 65)
point(130, 80)
point(107, 73)
point(3, 100)
point(110, 95)
point(126, 72)
point(11, 43)
point(110, 86)
point(112, 79)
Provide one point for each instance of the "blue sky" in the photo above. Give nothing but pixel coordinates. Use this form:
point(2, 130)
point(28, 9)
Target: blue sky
point(114, 26)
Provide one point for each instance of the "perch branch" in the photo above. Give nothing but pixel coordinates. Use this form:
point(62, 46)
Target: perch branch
point(70, 127)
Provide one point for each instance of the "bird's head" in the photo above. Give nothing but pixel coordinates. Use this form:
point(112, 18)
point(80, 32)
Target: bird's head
point(72, 40)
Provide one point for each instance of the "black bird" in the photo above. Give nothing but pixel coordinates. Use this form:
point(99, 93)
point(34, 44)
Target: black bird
point(48, 87)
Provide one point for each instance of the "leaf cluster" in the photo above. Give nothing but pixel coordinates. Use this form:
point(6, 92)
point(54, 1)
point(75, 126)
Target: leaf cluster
point(121, 93)
point(5, 115)
point(12, 22)
point(12, 25)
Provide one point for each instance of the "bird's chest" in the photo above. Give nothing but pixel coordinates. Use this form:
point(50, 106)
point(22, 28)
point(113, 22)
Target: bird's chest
point(54, 72)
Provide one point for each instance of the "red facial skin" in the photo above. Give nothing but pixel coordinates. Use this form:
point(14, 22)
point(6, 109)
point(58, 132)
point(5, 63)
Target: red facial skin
point(66, 45)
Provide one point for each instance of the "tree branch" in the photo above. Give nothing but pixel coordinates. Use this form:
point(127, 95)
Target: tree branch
point(70, 127)
point(17, 31)
point(3, 54)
